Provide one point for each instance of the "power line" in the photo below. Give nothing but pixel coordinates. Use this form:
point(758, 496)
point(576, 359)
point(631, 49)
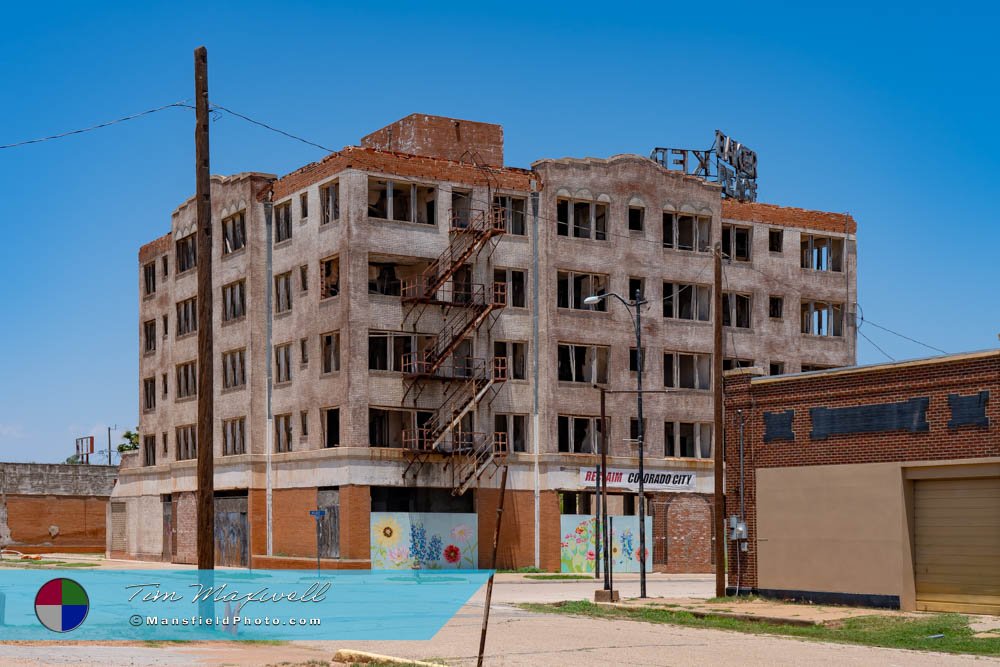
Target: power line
point(273, 129)
point(860, 333)
point(896, 333)
point(62, 135)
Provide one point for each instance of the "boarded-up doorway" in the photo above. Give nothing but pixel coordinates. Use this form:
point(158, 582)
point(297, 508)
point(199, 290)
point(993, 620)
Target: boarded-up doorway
point(329, 523)
point(231, 531)
point(169, 527)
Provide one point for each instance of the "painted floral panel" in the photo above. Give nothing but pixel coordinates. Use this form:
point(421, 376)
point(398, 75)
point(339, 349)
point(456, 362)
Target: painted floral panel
point(424, 540)
point(577, 546)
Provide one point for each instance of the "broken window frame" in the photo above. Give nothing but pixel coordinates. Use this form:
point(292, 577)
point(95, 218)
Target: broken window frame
point(673, 446)
point(149, 336)
point(283, 363)
point(583, 363)
point(699, 226)
point(397, 347)
point(329, 277)
point(283, 222)
point(776, 307)
point(383, 278)
point(385, 435)
point(187, 380)
point(400, 201)
point(234, 436)
point(570, 298)
point(330, 346)
point(283, 293)
point(731, 246)
point(515, 427)
point(187, 254)
point(234, 302)
point(187, 316)
point(234, 373)
point(822, 253)
point(329, 202)
point(593, 225)
point(517, 284)
point(697, 297)
point(737, 310)
point(776, 240)
point(149, 278)
point(149, 450)
point(579, 434)
point(149, 394)
point(234, 233)
point(516, 354)
point(283, 433)
point(186, 437)
point(822, 318)
point(514, 213)
point(690, 370)
point(330, 439)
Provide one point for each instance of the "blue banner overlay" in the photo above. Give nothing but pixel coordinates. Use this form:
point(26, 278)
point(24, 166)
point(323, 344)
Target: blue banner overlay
point(231, 604)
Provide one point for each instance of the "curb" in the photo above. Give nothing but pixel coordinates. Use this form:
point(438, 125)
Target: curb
point(363, 657)
point(697, 613)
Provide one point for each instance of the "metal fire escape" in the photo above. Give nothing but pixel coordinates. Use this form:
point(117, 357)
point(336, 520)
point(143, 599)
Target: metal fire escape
point(465, 381)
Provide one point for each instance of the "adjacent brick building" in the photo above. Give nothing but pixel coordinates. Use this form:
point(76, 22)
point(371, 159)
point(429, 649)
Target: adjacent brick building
point(877, 485)
point(428, 323)
point(48, 507)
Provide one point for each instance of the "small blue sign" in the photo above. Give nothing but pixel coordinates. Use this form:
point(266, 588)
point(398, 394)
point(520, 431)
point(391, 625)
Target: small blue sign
point(318, 513)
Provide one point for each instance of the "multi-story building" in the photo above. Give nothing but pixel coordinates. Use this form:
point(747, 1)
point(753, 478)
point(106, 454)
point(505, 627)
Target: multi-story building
point(428, 324)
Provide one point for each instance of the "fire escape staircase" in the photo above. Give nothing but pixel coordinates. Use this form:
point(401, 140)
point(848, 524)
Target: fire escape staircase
point(467, 307)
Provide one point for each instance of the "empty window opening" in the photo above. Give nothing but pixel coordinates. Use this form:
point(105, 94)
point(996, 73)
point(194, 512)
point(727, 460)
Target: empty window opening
point(586, 364)
point(283, 292)
point(187, 316)
point(776, 307)
point(149, 278)
point(303, 352)
point(282, 222)
point(383, 278)
point(512, 209)
point(822, 253)
point(736, 243)
point(729, 363)
point(687, 302)
point(329, 203)
point(303, 206)
point(514, 428)
point(187, 442)
point(234, 436)
point(636, 288)
point(329, 269)
point(736, 310)
point(187, 253)
point(283, 433)
point(579, 435)
point(775, 240)
point(776, 368)
point(304, 278)
point(304, 425)
point(636, 215)
point(149, 450)
point(187, 380)
point(283, 363)
point(149, 336)
point(687, 440)
point(234, 301)
point(331, 427)
point(688, 370)
point(330, 343)
point(516, 281)
point(516, 355)
point(234, 233)
point(149, 394)
point(234, 369)
point(573, 288)
point(822, 319)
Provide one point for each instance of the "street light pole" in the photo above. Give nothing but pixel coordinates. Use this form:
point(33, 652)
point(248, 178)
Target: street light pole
point(642, 497)
point(637, 322)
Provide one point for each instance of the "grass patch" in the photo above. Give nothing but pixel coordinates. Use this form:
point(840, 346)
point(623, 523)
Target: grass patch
point(28, 564)
point(882, 631)
point(547, 577)
point(520, 570)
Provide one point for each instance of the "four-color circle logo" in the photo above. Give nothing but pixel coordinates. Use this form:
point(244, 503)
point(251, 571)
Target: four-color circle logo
point(61, 605)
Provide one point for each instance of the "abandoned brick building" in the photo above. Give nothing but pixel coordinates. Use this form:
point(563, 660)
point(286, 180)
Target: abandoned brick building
point(428, 320)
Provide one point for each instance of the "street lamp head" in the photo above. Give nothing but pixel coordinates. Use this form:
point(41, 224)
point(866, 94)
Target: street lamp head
point(594, 299)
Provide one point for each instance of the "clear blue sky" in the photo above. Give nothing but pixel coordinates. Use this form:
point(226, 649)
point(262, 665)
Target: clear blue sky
point(887, 112)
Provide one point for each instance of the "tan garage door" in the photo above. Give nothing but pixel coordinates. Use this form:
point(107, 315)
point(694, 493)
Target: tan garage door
point(957, 540)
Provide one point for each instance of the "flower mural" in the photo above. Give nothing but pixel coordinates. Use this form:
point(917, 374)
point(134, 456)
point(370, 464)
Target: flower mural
point(577, 543)
point(423, 540)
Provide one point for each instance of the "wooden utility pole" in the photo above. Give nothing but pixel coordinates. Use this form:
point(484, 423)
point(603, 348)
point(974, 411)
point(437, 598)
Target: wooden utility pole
point(719, 453)
point(203, 256)
point(493, 565)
